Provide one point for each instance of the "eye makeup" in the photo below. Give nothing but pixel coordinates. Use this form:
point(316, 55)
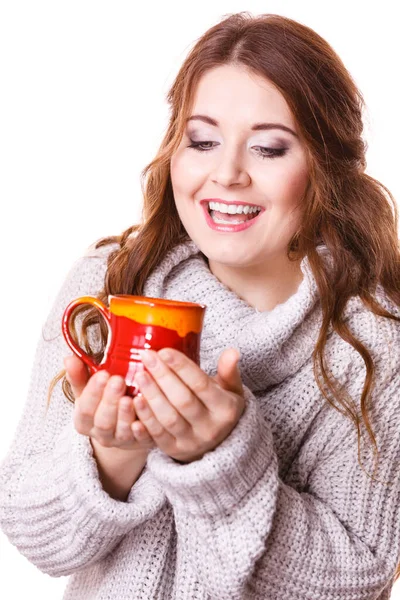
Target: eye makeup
point(262, 151)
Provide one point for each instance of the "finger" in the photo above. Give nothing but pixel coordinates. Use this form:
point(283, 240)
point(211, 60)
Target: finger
point(152, 425)
point(76, 373)
point(86, 404)
point(204, 388)
point(166, 414)
point(228, 375)
point(105, 418)
point(126, 415)
point(141, 434)
point(183, 401)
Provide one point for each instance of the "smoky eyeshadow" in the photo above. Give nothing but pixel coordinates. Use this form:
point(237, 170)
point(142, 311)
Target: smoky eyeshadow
point(276, 143)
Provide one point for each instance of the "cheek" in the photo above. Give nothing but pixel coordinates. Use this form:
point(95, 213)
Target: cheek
point(287, 185)
point(298, 182)
point(185, 171)
point(185, 183)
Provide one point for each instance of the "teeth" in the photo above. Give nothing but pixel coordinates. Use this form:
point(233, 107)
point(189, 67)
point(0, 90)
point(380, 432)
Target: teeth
point(221, 221)
point(233, 209)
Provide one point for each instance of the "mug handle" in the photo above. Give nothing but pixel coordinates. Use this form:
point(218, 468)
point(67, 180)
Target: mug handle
point(66, 332)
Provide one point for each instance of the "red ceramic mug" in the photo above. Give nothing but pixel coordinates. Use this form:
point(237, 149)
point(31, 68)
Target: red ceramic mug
point(136, 323)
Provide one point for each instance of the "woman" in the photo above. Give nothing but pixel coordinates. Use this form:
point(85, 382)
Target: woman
point(270, 470)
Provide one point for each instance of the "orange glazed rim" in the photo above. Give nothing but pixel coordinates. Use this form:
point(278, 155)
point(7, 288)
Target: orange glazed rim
point(149, 301)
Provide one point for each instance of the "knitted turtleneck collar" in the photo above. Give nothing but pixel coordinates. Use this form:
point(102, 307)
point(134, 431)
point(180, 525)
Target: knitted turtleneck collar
point(273, 344)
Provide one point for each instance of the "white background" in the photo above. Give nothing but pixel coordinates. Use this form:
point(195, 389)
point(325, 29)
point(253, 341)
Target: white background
point(82, 111)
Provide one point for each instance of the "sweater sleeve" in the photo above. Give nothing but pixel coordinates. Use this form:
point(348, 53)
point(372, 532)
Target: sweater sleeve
point(52, 504)
point(248, 534)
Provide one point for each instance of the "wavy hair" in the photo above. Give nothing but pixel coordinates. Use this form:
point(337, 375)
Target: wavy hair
point(350, 212)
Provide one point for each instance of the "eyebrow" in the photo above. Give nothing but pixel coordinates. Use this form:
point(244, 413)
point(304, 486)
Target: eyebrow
point(255, 127)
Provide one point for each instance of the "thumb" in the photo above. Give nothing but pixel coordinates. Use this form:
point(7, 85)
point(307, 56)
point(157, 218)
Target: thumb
point(228, 374)
point(76, 373)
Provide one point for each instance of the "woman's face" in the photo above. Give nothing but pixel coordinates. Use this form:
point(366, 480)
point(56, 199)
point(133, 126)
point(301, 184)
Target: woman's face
point(248, 152)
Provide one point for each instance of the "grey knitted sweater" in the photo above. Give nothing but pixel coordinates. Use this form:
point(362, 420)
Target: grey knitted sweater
point(281, 510)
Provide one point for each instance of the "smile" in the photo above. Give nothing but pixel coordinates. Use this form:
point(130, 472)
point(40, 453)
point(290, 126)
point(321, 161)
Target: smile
point(239, 217)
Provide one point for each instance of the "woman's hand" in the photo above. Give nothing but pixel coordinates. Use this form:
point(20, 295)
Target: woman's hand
point(102, 410)
point(186, 412)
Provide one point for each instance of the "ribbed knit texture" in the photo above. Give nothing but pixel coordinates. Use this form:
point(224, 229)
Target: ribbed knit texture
point(280, 510)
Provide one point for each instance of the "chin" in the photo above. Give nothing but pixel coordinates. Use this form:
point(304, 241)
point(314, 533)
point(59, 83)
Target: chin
point(228, 257)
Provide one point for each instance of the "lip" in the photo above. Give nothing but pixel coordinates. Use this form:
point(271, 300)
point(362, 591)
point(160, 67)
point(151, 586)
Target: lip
point(227, 228)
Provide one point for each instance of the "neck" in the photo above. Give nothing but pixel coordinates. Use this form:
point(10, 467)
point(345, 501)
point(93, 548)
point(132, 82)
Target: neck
point(264, 285)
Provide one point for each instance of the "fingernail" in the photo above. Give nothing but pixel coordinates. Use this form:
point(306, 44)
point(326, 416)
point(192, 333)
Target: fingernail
point(126, 405)
point(165, 355)
point(141, 378)
point(148, 357)
point(140, 402)
point(117, 384)
point(102, 377)
point(66, 358)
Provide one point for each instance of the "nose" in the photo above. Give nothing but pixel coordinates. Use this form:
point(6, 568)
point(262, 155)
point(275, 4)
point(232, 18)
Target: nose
point(230, 170)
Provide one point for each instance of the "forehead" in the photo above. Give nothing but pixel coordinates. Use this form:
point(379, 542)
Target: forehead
point(232, 94)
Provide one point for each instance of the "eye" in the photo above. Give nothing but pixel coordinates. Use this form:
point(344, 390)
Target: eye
point(198, 146)
point(262, 151)
point(270, 152)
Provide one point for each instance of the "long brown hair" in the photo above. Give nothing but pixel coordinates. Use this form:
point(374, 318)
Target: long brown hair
point(353, 214)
